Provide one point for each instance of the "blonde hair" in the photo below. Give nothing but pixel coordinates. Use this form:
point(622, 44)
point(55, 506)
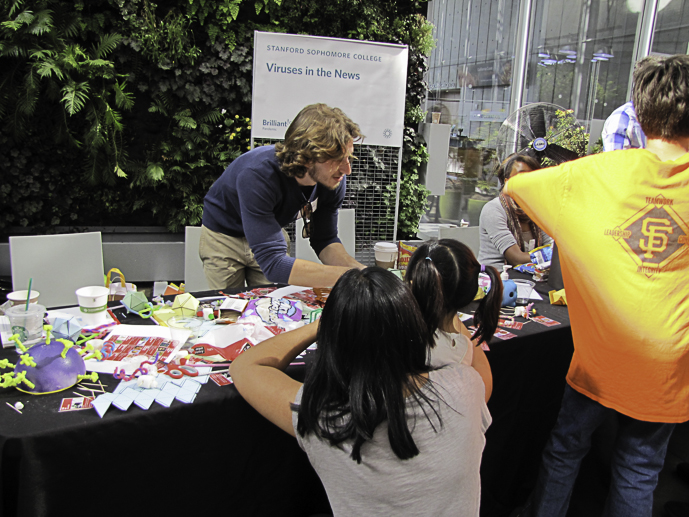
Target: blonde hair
point(318, 133)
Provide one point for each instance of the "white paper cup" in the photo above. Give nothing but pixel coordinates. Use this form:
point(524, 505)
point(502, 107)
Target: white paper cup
point(27, 323)
point(524, 288)
point(93, 303)
point(386, 254)
point(19, 297)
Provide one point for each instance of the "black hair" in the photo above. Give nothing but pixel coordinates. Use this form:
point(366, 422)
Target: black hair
point(444, 278)
point(372, 348)
point(661, 96)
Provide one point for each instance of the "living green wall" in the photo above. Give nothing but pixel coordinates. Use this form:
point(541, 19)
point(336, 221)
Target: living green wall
point(124, 112)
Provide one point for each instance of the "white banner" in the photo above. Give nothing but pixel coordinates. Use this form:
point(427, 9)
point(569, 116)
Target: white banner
point(365, 80)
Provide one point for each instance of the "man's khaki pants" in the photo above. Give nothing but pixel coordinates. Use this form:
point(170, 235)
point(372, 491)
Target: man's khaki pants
point(229, 262)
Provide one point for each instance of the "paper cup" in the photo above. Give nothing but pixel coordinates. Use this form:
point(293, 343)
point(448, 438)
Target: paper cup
point(386, 254)
point(93, 303)
point(27, 323)
point(19, 297)
point(524, 288)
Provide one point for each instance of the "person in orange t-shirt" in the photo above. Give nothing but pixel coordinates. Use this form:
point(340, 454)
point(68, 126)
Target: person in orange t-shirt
point(621, 223)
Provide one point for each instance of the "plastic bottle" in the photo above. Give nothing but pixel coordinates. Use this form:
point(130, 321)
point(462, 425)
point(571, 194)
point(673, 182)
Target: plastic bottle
point(504, 275)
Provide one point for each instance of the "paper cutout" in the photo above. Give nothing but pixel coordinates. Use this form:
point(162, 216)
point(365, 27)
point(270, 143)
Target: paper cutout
point(558, 297)
point(185, 305)
point(127, 393)
point(66, 328)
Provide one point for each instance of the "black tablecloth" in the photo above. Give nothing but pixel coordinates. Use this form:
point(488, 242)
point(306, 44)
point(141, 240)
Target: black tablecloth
point(218, 455)
point(528, 383)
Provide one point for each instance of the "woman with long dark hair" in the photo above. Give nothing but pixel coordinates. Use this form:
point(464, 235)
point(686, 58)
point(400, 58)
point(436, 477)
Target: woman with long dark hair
point(386, 434)
point(506, 233)
point(443, 276)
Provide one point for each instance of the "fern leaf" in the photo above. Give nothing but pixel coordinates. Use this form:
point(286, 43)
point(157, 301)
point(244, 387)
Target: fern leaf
point(155, 172)
point(234, 11)
point(123, 99)
point(16, 5)
point(107, 44)
point(186, 122)
point(74, 96)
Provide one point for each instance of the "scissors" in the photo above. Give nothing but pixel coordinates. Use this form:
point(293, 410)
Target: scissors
point(177, 371)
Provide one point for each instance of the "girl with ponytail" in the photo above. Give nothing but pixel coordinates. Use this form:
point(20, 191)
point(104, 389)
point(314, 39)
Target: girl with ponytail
point(443, 276)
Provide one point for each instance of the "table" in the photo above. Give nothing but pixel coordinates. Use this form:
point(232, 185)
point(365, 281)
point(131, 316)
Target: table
point(528, 383)
point(219, 455)
point(216, 456)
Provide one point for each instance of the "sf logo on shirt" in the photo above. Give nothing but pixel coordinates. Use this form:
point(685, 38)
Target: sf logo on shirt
point(654, 236)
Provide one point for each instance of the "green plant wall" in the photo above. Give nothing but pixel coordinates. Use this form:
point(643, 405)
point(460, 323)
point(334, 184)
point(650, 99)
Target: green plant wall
point(124, 112)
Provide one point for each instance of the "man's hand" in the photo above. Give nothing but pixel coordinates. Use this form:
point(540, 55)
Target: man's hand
point(336, 261)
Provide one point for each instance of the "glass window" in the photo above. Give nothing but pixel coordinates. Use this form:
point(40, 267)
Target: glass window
point(581, 55)
point(671, 35)
point(470, 76)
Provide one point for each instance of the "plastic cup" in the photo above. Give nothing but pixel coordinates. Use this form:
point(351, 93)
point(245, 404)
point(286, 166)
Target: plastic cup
point(27, 323)
point(183, 328)
point(524, 288)
point(386, 254)
point(93, 303)
point(19, 297)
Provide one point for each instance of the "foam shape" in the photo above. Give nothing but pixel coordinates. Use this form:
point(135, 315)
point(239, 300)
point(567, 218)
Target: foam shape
point(122, 402)
point(144, 401)
point(102, 403)
point(163, 314)
point(123, 385)
point(66, 328)
point(131, 393)
point(171, 389)
point(185, 305)
point(186, 396)
point(135, 301)
point(191, 385)
point(50, 371)
point(153, 393)
point(165, 399)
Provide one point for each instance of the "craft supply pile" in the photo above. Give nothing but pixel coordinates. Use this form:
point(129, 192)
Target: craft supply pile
point(101, 363)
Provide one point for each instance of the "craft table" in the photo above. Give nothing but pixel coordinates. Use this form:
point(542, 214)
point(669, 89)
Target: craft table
point(528, 382)
point(218, 455)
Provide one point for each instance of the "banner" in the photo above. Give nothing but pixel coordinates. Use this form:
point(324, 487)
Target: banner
point(365, 80)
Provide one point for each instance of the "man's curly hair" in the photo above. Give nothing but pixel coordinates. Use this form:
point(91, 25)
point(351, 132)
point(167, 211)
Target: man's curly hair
point(319, 133)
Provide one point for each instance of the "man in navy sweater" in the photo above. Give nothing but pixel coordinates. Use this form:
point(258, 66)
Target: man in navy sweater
point(269, 187)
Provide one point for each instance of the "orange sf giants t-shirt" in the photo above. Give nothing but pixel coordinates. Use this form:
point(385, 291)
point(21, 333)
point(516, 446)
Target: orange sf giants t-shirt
point(621, 223)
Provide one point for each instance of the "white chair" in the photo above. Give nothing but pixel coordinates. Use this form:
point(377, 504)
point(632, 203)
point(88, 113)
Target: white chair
point(58, 265)
point(194, 277)
point(467, 235)
point(345, 229)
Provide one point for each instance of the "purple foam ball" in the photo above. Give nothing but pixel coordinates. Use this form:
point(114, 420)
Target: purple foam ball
point(52, 372)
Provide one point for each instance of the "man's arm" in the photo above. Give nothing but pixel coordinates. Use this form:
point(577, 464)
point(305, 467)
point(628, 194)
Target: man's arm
point(334, 254)
point(312, 274)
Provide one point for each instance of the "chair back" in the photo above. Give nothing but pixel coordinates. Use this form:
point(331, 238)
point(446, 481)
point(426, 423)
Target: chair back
point(467, 235)
point(345, 230)
point(58, 265)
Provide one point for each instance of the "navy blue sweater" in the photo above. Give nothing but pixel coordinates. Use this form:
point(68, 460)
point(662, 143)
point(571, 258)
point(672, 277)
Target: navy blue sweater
point(254, 198)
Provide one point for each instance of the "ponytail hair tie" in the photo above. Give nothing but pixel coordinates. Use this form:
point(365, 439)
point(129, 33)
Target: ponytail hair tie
point(483, 268)
point(429, 258)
